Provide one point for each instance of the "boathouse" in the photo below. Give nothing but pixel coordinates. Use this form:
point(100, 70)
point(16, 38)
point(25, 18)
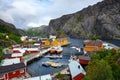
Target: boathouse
point(93, 45)
point(11, 56)
point(15, 46)
point(84, 59)
point(76, 70)
point(11, 68)
point(55, 43)
point(32, 50)
point(47, 42)
point(12, 71)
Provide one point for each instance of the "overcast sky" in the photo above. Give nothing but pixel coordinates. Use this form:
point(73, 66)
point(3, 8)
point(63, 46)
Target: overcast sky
point(33, 13)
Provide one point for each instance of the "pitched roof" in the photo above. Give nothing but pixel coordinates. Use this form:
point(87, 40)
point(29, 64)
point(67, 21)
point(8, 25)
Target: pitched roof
point(6, 62)
point(12, 55)
point(17, 55)
point(76, 68)
point(84, 57)
point(94, 43)
point(7, 55)
point(9, 68)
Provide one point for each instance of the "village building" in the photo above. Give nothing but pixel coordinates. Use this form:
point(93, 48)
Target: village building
point(76, 70)
point(11, 68)
point(84, 59)
point(11, 56)
point(32, 50)
point(11, 71)
point(95, 45)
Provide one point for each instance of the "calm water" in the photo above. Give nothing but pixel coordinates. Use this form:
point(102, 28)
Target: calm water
point(37, 69)
point(113, 41)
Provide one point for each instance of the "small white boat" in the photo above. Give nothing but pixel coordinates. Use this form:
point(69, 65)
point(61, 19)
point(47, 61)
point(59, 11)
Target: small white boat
point(59, 50)
point(54, 56)
point(52, 64)
point(56, 49)
point(47, 63)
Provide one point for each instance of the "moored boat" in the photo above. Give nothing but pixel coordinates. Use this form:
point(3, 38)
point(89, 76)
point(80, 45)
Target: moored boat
point(55, 65)
point(59, 50)
point(56, 49)
point(52, 64)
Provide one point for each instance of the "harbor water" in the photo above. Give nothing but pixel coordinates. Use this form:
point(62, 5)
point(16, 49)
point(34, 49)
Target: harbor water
point(36, 68)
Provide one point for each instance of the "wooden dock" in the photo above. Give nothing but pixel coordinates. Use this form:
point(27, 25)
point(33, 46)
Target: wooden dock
point(33, 56)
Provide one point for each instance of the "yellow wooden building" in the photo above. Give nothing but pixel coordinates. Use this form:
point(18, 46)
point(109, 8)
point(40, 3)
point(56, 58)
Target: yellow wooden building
point(91, 46)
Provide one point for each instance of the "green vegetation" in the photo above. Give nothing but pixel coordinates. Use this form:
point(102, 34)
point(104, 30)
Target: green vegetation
point(16, 38)
point(1, 54)
point(26, 54)
point(79, 19)
point(8, 28)
point(7, 39)
point(35, 32)
point(60, 76)
point(104, 65)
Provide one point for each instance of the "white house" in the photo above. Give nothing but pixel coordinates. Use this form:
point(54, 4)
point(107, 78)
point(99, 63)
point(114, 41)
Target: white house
point(76, 70)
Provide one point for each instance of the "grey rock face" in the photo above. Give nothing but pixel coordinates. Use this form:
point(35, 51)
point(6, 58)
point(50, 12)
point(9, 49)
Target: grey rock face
point(100, 20)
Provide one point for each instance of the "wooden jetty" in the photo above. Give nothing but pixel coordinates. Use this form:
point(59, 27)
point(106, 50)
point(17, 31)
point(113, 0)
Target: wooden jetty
point(34, 56)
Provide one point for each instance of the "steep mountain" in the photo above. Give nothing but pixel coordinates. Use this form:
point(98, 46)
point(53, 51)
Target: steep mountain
point(10, 28)
point(37, 31)
point(100, 20)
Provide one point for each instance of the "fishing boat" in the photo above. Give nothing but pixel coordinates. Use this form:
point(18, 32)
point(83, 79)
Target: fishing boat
point(55, 65)
point(52, 64)
point(59, 50)
point(47, 63)
point(53, 50)
point(56, 50)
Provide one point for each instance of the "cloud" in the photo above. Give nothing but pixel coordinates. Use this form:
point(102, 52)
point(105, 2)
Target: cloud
point(33, 24)
point(6, 17)
point(26, 13)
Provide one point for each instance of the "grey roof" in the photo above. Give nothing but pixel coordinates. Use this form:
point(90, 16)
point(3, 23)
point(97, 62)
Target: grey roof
point(9, 68)
point(7, 55)
point(84, 57)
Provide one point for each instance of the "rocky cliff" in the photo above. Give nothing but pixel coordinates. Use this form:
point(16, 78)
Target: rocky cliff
point(100, 20)
point(10, 28)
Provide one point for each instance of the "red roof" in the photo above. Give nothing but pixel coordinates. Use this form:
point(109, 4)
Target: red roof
point(78, 77)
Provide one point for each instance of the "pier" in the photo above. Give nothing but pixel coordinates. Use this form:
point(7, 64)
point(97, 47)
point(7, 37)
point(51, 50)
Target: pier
point(34, 56)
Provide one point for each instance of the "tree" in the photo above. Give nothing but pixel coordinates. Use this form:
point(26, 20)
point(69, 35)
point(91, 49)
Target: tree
point(98, 70)
point(104, 65)
point(1, 54)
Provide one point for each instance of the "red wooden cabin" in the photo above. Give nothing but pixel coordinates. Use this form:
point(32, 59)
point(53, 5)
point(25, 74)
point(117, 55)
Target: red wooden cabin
point(12, 71)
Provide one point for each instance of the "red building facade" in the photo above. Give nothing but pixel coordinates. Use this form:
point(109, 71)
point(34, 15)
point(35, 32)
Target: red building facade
point(12, 71)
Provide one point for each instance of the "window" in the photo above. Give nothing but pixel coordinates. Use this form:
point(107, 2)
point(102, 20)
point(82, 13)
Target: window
point(79, 67)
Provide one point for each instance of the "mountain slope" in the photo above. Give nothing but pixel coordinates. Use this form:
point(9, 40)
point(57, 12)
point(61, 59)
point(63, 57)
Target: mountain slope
point(37, 31)
point(100, 20)
point(9, 34)
point(10, 28)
